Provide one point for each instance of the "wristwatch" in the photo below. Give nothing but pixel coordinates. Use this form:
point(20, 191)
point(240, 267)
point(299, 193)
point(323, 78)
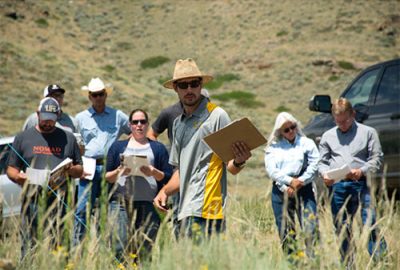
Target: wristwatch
point(239, 165)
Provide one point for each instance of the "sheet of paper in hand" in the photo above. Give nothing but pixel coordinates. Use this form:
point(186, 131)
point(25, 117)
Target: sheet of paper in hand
point(134, 163)
point(239, 130)
point(339, 173)
point(37, 177)
point(57, 175)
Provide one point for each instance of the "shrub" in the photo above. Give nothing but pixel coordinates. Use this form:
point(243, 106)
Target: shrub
point(154, 62)
point(282, 33)
point(281, 108)
point(220, 79)
point(241, 98)
point(333, 78)
point(346, 65)
point(108, 68)
point(42, 23)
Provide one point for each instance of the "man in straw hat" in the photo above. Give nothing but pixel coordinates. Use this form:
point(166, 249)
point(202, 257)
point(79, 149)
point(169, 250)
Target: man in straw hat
point(200, 176)
point(99, 126)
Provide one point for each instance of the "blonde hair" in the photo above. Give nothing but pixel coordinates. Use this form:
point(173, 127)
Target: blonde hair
point(280, 120)
point(341, 105)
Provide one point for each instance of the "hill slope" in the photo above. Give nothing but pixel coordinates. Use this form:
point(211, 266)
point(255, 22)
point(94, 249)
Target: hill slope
point(282, 51)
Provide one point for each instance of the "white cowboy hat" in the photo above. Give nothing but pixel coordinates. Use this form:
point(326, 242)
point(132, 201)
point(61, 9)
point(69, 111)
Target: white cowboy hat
point(186, 69)
point(97, 85)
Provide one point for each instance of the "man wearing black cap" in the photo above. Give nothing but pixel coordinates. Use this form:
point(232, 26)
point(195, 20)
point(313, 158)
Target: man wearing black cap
point(64, 121)
point(36, 151)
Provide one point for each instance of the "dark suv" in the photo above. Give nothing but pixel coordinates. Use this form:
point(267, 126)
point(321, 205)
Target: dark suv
point(375, 95)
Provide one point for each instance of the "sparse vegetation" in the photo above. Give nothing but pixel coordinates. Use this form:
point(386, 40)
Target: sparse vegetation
point(241, 98)
point(42, 23)
point(346, 65)
point(219, 80)
point(154, 62)
point(281, 108)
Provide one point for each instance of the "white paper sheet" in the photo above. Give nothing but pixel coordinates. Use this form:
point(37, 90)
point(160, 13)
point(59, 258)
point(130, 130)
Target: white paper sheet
point(89, 166)
point(134, 163)
point(339, 173)
point(37, 176)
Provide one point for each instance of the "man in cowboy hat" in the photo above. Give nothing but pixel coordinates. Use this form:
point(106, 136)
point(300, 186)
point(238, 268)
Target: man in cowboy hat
point(201, 175)
point(64, 121)
point(99, 126)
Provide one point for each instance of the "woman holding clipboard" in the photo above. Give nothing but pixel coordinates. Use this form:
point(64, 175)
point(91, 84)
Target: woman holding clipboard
point(131, 191)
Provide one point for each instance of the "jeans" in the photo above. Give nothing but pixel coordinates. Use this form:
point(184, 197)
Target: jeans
point(346, 196)
point(134, 225)
point(285, 209)
point(31, 215)
point(198, 228)
point(86, 189)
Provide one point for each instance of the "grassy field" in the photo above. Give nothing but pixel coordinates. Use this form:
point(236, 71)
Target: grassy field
point(267, 56)
point(251, 242)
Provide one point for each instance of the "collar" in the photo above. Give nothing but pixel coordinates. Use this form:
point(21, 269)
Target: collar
point(93, 112)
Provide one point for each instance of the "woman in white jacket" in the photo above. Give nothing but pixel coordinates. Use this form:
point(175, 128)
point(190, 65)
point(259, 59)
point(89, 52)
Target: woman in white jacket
point(291, 161)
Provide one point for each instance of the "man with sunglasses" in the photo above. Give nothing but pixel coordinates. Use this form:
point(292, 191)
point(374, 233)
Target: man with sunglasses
point(99, 126)
point(359, 147)
point(64, 121)
point(200, 176)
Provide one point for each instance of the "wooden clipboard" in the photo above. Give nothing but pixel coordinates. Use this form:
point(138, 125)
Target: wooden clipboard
point(240, 130)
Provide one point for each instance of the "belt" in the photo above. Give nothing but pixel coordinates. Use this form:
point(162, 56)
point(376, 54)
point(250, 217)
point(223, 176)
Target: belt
point(100, 161)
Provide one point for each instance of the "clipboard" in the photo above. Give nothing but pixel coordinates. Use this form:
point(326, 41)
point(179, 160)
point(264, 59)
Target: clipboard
point(239, 130)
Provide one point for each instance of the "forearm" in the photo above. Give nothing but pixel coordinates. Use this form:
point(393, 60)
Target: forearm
point(158, 175)
point(112, 176)
point(15, 176)
point(172, 186)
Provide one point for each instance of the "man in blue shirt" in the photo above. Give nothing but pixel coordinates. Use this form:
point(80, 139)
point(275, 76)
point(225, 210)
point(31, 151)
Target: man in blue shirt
point(99, 126)
point(358, 146)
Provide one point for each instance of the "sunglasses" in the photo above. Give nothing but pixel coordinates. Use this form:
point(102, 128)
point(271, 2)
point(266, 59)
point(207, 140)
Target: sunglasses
point(141, 121)
point(95, 95)
point(185, 85)
point(286, 130)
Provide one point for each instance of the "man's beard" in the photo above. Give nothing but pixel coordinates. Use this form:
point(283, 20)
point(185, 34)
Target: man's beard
point(46, 128)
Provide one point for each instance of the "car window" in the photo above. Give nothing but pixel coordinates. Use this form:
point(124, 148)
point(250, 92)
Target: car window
point(389, 88)
point(4, 151)
point(361, 89)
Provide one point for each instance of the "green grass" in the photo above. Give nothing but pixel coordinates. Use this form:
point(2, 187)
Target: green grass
point(42, 23)
point(346, 65)
point(219, 80)
point(250, 242)
point(154, 62)
point(241, 98)
point(282, 108)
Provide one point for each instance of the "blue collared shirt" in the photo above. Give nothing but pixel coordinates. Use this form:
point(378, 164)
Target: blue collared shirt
point(100, 130)
point(284, 160)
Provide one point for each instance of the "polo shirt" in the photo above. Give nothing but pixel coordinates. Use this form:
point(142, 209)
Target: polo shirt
point(203, 180)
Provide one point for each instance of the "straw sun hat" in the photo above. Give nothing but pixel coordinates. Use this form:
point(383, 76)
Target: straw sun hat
point(97, 85)
point(186, 69)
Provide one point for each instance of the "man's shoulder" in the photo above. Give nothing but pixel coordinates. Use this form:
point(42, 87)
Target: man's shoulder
point(82, 114)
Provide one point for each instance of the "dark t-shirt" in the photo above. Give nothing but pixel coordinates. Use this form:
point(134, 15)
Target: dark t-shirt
point(165, 119)
point(42, 150)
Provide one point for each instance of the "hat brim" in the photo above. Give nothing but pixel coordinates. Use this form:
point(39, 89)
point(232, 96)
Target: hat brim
point(170, 84)
point(85, 90)
point(44, 116)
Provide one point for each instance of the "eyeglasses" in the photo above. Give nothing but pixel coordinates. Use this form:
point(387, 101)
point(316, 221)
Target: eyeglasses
point(95, 95)
point(185, 85)
point(141, 121)
point(286, 130)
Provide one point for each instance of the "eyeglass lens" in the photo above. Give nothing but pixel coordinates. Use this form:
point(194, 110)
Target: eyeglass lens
point(185, 85)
